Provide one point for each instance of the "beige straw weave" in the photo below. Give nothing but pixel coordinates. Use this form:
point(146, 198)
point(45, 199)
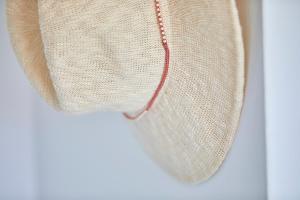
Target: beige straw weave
point(85, 56)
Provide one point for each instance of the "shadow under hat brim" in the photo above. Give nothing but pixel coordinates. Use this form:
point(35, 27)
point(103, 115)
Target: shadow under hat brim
point(24, 29)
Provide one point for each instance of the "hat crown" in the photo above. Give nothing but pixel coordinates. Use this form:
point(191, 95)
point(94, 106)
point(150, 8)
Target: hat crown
point(101, 55)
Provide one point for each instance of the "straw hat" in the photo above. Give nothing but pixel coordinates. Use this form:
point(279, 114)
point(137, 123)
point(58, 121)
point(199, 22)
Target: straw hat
point(174, 68)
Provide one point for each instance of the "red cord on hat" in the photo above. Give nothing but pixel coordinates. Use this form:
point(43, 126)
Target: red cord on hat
point(166, 66)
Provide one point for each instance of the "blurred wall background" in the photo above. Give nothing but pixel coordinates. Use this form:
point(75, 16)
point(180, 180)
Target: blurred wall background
point(18, 164)
point(50, 155)
point(282, 91)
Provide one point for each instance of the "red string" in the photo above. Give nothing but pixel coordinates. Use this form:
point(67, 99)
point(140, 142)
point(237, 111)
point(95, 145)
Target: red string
point(159, 87)
point(166, 65)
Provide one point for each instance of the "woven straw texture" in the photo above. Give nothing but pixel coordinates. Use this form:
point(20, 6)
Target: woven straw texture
point(101, 55)
point(190, 129)
point(107, 55)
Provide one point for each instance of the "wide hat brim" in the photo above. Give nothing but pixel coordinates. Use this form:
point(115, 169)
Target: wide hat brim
point(190, 128)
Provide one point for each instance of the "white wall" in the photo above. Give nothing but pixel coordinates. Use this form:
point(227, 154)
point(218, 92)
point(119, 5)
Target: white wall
point(17, 148)
point(282, 86)
point(96, 156)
